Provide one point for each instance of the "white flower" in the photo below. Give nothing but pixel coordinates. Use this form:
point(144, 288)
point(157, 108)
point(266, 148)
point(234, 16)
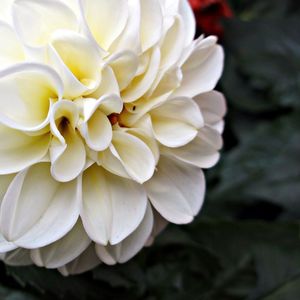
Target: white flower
point(107, 118)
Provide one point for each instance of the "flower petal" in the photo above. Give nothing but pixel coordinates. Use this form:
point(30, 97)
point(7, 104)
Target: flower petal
point(173, 44)
point(77, 61)
point(51, 200)
point(11, 51)
point(129, 247)
point(105, 19)
point(6, 246)
point(34, 20)
point(130, 37)
point(85, 262)
point(202, 151)
point(19, 150)
point(176, 190)
point(5, 181)
point(125, 65)
point(27, 91)
point(134, 155)
point(67, 150)
point(97, 131)
point(189, 22)
point(18, 257)
point(151, 13)
point(113, 207)
point(202, 70)
point(140, 84)
point(174, 129)
point(213, 106)
point(62, 251)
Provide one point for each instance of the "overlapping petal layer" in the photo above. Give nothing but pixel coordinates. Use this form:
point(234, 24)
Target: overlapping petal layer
point(107, 118)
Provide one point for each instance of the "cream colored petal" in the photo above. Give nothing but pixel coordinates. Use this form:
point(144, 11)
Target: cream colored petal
point(5, 181)
point(202, 70)
point(134, 155)
point(174, 129)
point(67, 150)
point(56, 208)
point(18, 257)
point(213, 106)
point(108, 85)
point(108, 104)
point(151, 23)
point(148, 138)
point(113, 207)
point(173, 44)
point(27, 91)
point(19, 150)
point(5, 11)
point(110, 161)
point(97, 131)
point(189, 22)
point(105, 19)
point(62, 251)
point(6, 246)
point(125, 65)
point(77, 61)
point(202, 151)
point(11, 50)
point(140, 84)
point(130, 37)
point(85, 262)
point(129, 247)
point(159, 225)
point(35, 21)
point(176, 190)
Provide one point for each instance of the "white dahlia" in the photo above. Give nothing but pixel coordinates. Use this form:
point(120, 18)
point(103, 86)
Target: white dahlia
point(107, 118)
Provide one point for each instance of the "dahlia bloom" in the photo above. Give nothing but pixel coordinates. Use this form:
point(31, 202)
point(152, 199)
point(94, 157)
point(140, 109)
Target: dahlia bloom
point(107, 118)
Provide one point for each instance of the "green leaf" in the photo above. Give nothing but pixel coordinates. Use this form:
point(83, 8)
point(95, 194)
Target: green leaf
point(265, 166)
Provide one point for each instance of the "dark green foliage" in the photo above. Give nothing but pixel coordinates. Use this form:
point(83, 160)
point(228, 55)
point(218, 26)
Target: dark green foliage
point(245, 244)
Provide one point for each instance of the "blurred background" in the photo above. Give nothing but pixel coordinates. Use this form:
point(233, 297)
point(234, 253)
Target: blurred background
point(245, 243)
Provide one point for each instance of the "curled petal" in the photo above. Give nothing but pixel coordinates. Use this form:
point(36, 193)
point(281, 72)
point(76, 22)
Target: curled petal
point(62, 251)
point(113, 207)
point(27, 93)
point(129, 247)
point(97, 131)
point(34, 20)
point(51, 200)
point(67, 151)
point(176, 190)
point(77, 61)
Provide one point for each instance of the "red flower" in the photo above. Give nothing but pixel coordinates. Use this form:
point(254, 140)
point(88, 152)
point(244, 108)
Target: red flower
point(209, 14)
